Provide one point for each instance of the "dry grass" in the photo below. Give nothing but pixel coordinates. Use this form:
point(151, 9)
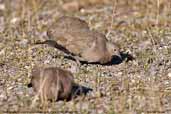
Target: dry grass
point(141, 28)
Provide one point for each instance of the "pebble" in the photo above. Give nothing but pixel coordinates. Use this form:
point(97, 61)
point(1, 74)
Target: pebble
point(14, 20)
point(2, 52)
point(2, 7)
point(23, 43)
point(2, 97)
point(169, 74)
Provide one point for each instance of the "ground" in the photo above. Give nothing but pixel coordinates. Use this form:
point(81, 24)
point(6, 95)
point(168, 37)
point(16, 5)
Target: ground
point(140, 84)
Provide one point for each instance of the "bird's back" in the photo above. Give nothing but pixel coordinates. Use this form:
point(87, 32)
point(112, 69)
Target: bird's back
point(72, 33)
point(75, 36)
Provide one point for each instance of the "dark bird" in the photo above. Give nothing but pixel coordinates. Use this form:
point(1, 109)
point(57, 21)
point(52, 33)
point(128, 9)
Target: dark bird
point(73, 36)
point(52, 83)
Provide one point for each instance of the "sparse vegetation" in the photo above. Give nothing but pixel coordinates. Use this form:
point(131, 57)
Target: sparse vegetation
point(138, 86)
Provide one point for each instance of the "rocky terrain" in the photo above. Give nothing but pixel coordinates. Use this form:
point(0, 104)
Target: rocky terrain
point(139, 84)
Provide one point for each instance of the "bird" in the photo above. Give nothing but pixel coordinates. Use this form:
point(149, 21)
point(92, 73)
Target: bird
point(52, 83)
point(73, 36)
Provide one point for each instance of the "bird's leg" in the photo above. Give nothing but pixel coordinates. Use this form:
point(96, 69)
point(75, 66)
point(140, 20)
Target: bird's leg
point(77, 59)
point(78, 64)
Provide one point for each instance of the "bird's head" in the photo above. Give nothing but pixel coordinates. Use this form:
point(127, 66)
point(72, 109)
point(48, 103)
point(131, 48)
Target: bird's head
point(113, 49)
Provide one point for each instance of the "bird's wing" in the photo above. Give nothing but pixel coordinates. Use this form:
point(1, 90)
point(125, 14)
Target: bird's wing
point(75, 41)
point(70, 22)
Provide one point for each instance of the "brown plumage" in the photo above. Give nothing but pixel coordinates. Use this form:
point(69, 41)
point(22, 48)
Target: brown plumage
point(73, 36)
point(52, 83)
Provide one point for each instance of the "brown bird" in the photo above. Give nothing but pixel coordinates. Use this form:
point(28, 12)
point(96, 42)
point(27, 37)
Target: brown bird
point(73, 36)
point(52, 83)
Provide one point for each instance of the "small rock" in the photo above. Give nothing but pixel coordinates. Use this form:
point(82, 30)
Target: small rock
point(2, 52)
point(23, 43)
point(169, 74)
point(10, 88)
point(14, 20)
point(2, 7)
point(3, 97)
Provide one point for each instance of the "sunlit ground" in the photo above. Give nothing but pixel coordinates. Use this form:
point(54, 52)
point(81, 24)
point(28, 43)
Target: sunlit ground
point(142, 29)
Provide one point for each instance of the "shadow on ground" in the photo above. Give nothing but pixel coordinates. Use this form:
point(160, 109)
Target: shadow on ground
point(78, 90)
point(124, 56)
point(118, 60)
point(115, 59)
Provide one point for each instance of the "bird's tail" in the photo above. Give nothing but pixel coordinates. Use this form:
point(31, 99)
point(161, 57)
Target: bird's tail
point(54, 44)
